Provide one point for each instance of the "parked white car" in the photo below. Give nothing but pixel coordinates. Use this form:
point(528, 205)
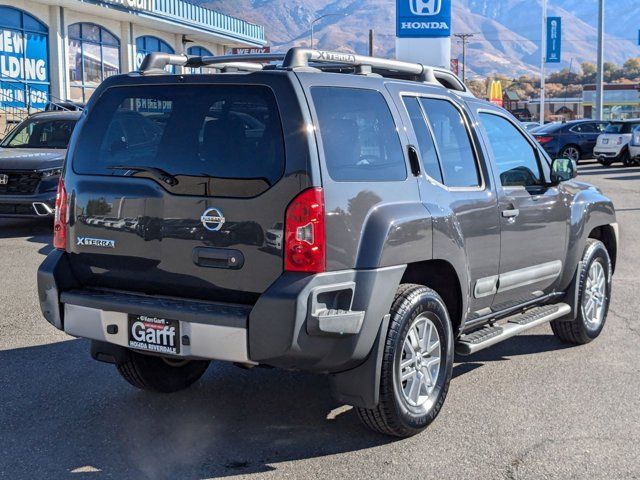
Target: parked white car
point(634, 146)
point(613, 144)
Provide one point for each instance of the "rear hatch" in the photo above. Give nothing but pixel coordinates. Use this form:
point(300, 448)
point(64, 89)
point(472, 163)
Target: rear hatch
point(175, 185)
point(616, 135)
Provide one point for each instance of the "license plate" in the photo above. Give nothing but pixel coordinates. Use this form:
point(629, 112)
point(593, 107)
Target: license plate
point(154, 334)
point(605, 141)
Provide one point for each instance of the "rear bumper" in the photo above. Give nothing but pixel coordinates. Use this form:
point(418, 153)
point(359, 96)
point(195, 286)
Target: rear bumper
point(323, 323)
point(28, 206)
point(600, 152)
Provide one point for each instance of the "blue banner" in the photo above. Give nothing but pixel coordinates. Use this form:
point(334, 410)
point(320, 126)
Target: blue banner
point(423, 18)
point(554, 39)
point(24, 70)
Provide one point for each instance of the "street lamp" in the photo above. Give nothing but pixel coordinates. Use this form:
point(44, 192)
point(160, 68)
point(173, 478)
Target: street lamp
point(313, 22)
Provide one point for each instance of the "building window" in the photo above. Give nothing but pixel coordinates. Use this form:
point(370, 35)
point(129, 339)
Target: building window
point(24, 60)
point(148, 44)
point(200, 52)
point(94, 54)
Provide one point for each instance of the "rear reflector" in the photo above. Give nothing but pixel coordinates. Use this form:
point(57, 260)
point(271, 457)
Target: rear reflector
point(305, 245)
point(544, 139)
point(60, 219)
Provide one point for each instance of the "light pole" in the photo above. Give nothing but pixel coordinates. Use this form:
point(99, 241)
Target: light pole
point(543, 59)
point(600, 73)
point(315, 20)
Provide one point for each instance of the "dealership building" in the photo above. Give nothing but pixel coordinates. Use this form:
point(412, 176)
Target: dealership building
point(57, 50)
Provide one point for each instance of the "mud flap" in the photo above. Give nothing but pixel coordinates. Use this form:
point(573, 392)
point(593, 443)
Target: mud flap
point(360, 386)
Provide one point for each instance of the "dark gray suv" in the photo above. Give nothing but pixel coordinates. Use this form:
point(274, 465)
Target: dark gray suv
point(348, 215)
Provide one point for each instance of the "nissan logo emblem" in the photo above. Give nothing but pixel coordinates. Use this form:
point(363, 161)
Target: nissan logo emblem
point(212, 219)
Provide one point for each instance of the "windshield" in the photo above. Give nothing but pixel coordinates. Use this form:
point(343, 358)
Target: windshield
point(620, 127)
point(38, 133)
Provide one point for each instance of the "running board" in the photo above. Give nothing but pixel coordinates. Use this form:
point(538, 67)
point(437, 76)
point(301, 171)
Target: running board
point(491, 334)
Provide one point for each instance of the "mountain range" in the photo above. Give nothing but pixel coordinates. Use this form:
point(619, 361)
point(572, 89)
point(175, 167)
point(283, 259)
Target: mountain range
point(506, 32)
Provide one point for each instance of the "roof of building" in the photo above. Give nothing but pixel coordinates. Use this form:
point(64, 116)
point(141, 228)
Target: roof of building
point(184, 13)
point(511, 95)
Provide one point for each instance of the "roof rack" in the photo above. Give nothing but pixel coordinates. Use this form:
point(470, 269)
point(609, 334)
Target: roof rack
point(310, 60)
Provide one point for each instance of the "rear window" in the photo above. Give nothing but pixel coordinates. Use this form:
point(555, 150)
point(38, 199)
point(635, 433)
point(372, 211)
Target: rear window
point(620, 127)
point(231, 135)
point(359, 136)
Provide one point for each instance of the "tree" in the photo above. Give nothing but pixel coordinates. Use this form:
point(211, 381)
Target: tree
point(631, 68)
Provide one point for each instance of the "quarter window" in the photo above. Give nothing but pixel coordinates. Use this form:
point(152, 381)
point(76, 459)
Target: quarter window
point(425, 141)
point(457, 158)
point(359, 136)
point(515, 158)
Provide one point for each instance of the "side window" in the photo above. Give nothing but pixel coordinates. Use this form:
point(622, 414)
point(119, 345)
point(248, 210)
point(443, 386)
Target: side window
point(513, 155)
point(588, 128)
point(359, 137)
point(425, 141)
point(458, 162)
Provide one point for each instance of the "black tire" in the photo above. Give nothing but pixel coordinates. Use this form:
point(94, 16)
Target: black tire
point(156, 374)
point(564, 152)
point(580, 331)
point(625, 158)
point(605, 161)
point(393, 415)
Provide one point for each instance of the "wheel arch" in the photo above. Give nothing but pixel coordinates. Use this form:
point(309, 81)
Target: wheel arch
point(609, 237)
point(441, 276)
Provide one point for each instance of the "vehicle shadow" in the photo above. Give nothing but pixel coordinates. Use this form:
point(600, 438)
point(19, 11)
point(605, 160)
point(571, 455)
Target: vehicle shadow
point(65, 415)
point(35, 230)
point(518, 345)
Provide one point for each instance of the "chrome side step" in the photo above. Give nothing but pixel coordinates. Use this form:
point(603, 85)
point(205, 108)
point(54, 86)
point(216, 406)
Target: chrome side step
point(490, 335)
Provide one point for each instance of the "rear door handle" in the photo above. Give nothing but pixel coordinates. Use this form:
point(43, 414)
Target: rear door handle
point(510, 213)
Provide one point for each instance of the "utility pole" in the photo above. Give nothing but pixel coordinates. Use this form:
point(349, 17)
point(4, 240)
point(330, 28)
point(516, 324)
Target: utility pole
point(600, 73)
point(371, 42)
point(464, 39)
point(543, 60)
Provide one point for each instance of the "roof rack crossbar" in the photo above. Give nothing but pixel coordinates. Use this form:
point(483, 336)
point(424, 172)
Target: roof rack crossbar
point(155, 62)
point(302, 57)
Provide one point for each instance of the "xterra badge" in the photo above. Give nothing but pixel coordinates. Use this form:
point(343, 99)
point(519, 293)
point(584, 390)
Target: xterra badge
point(96, 242)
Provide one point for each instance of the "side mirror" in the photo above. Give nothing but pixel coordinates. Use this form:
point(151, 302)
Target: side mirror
point(562, 170)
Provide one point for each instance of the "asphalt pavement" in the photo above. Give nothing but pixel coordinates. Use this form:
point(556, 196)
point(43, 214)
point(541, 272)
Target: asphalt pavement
point(529, 408)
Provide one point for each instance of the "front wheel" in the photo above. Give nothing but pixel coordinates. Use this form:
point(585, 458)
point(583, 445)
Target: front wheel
point(626, 158)
point(594, 296)
point(416, 366)
point(160, 374)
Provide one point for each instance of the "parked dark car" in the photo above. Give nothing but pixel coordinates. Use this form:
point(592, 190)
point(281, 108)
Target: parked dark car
point(31, 158)
point(574, 140)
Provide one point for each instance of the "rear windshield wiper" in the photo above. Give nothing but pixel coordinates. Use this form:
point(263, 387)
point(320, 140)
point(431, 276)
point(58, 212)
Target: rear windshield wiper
point(160, 174)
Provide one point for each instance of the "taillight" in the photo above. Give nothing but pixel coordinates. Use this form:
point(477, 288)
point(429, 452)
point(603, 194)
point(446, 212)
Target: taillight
point(544, 139)
point(60, 219)
point(305, 245)
point(619, 141)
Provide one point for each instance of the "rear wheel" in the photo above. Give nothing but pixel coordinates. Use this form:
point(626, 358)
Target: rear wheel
point(605, 162)
point(416, 366)
point(625, 158)
point(571, 152)
point(159, 374)
point(594, 297)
